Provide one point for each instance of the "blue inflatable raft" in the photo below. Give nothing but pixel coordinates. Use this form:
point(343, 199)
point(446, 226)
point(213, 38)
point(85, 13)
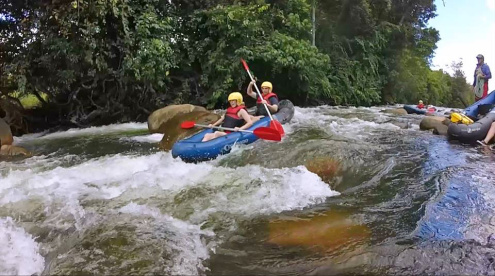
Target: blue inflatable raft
point(193, 150)
point(473, 110)
point(412, 109)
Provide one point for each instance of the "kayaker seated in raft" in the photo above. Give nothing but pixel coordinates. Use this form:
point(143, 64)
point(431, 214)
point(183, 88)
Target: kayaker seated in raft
point(269, 98)
point(420, 105)
point(236, 117)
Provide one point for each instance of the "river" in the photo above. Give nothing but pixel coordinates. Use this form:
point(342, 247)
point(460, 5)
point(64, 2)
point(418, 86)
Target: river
point(397, 201)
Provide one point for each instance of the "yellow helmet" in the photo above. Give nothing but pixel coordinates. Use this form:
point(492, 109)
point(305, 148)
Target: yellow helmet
point(267, 84)
point(420, 101)
point(236, 96)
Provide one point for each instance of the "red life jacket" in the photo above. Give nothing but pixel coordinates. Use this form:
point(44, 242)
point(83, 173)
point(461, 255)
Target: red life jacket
point(266, 97)
point(232, 111)
point(233, 120)
point(420, 106)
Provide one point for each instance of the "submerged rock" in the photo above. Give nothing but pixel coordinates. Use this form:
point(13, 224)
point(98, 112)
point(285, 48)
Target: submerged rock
point(325, 232)
point(326, 168)
point(397, 111)
point(10, 150)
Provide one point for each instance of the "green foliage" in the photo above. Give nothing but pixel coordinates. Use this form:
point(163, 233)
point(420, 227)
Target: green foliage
point(101, 61)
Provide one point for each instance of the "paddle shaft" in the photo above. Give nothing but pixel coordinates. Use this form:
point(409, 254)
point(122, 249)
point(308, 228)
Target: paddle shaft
point(259, 95)
point(224, 128)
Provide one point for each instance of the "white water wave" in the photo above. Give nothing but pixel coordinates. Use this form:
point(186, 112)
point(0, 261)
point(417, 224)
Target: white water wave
point(75, 132)
point(19, 252)
point(185, 241)
point(151, 138)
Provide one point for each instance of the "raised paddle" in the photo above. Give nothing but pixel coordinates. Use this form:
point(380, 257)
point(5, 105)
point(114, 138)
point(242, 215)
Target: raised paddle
point(273, 123)
point(265, 133)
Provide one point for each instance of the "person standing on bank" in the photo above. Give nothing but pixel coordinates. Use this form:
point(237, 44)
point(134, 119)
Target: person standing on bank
point(269, 98)
point(481, 76)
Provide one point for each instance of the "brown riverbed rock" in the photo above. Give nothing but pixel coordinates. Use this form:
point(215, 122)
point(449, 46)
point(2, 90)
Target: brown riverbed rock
point(327, 232)
point(174, 131)
point(397, 111)
point(168, 121)
point(159, 117)
point(10, 150)
point(6, 137)
point(438, 124)
point(430, 122)
point(326, 168)
point(440, 129)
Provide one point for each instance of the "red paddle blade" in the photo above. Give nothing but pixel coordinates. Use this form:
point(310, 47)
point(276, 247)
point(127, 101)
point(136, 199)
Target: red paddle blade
point(267, 133)
point(245, 64)
point(276, 125)
point(187, 124)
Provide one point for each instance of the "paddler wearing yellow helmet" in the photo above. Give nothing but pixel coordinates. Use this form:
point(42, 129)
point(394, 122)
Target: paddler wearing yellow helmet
point(269, 98)
point(235, 117)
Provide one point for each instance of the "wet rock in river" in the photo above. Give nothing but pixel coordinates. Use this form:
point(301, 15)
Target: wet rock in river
point(397, 111)
point(326, 168)
point(168, 121)
point(6, 137)
point(438, 124)
point(324, 232)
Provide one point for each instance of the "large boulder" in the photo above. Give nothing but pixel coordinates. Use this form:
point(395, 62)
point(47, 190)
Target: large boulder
point(159, 117)
point(430, 122)
point(440, 130)
point(168, 121)
point(6, 147)
point(438, 124)
point(6, 137)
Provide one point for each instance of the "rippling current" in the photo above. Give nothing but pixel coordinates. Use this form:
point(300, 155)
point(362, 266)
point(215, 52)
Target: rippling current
point(347, 190)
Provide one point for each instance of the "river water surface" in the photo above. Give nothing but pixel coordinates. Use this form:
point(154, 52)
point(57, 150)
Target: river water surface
point(396, 200)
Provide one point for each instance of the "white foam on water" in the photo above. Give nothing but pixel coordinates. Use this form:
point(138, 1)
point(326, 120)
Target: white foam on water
point(19, 252)
point(105, 177)
point(252, 191)
point(352, 128)
point(75, 132)
point(151, 138)
point(65, 193)
point(186, 240)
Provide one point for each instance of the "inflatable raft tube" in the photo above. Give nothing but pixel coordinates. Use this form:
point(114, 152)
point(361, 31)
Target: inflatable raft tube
point(473, 132)
point(412, 109)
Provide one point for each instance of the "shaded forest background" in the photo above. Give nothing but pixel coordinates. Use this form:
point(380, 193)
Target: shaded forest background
point(91, 62)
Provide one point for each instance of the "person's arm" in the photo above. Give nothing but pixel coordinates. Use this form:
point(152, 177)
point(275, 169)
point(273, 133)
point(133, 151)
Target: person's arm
point(218, 122)
point(486, 72)
point(273, 105)
point(246, 117)
point(250, 91)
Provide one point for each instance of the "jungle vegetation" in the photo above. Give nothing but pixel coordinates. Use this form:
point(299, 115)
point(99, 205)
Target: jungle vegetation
point(90, 62)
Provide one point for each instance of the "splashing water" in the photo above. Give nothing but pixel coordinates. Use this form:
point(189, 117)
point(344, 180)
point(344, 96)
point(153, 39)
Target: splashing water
point(106, 200)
